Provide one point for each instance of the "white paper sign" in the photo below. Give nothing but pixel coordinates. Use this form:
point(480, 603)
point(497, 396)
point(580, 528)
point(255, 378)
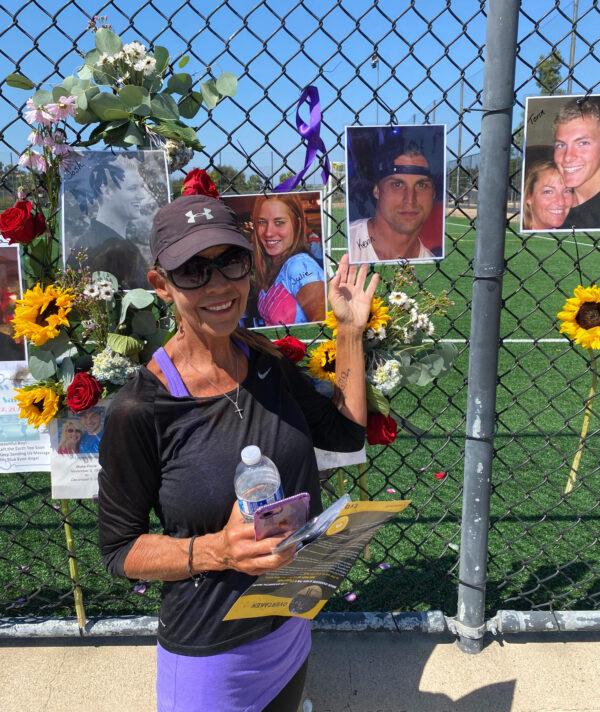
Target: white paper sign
point(23, 448)
point(330, 460)
point(74, 464)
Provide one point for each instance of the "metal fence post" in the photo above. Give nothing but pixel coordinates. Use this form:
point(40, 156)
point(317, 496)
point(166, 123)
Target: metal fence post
point(488, 268)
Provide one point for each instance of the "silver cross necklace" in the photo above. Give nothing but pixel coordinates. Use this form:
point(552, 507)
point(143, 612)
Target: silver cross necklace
point(234, 401)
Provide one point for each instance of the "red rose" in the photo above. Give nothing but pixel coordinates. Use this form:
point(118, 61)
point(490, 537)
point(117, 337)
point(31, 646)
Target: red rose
point(83, 393)
point(381, 429)
point(292, 348)
point(17, 224)
point(198, 182)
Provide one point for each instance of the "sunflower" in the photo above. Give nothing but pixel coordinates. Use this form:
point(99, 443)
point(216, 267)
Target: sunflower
point(580, 317)
point(37, 403)
point(321, 362)
point(331, 322)
point(378, 317)
point(41, 313)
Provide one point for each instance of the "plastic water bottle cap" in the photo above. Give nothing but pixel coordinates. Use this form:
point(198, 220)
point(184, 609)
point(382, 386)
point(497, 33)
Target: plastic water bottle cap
point(251, 455)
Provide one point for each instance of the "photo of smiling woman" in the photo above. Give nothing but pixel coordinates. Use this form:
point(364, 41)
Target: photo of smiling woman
point(70, 437)
point(547, 200)
point(288, 281)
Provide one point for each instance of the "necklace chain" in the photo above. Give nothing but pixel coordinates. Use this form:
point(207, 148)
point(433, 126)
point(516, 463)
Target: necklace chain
point(234, 402)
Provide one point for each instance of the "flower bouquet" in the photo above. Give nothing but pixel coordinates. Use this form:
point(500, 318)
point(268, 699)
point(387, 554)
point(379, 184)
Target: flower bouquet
point(87, 336)
point(400, 350)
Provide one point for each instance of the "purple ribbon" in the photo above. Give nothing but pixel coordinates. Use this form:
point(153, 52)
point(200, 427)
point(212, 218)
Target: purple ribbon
point(311, 133)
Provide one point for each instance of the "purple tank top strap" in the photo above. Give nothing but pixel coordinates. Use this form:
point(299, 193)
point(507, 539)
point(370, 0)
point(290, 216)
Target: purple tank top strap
point(175, 383)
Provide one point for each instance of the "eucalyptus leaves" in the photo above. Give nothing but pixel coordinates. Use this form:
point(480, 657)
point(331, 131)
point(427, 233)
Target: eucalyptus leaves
point(123, 88)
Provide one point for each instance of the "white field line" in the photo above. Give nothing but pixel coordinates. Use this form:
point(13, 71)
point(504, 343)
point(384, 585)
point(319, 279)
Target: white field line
point(464, 341)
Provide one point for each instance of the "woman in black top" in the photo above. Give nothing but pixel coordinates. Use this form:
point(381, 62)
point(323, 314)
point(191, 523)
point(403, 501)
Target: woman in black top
point(171, 443)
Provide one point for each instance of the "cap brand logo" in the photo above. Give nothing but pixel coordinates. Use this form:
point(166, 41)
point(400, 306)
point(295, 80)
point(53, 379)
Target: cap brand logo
point(191, 216)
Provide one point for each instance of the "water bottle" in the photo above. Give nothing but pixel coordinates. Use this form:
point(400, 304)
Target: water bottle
point(256, 482)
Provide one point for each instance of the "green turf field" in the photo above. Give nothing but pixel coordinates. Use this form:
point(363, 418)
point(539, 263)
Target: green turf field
point(543, 545)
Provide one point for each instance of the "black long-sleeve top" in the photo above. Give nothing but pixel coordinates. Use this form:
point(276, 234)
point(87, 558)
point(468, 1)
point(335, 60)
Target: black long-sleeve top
point(177, 456)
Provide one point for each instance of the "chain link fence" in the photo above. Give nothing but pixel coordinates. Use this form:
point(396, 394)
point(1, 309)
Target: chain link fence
point(374, 63)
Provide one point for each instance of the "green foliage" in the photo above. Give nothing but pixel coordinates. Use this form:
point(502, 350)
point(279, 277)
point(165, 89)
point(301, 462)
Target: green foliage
point(42, 364)
point(126, 83)
point(125, 345)
point(254, 184)
point(547, 73)
point(138, 298)
point(228, 179)
point(284, 176)
point(19, 81)
point(376, 401)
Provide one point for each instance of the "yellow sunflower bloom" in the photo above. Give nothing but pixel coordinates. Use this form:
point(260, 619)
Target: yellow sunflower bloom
point(38, 404)
point(321, 362)
point(331, 322)
point(580, 317)
point(378, 317)
point(41, 313)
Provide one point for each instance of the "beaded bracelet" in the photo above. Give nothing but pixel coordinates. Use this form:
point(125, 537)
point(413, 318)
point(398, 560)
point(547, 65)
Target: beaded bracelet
point(201, 574)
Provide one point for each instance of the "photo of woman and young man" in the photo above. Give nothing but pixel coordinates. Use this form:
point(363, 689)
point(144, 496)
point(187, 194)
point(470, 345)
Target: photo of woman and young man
point(80, 434)
point(285, 229)
point(561, 173)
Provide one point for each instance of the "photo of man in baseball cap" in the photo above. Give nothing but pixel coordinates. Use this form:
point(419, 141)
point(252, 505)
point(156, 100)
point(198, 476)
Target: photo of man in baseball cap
point(395, 192)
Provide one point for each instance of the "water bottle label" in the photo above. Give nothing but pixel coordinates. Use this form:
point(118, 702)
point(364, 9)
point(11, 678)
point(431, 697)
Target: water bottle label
point(248, 507)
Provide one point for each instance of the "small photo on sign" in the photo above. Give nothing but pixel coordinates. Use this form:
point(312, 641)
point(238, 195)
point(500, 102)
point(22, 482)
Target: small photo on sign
point(561, 171)
point(75, 441)
point(288, 284)
point(395, 191)
point(109, 202)
point(10, 291)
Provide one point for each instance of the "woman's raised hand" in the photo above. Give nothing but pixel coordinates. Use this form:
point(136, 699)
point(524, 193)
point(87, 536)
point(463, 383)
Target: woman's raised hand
point(237, 549)
point(349, 298)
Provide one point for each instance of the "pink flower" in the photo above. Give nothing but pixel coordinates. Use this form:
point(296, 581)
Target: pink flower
point(38, 115)
point(440, 475)
point(36, 138)
point(391, 490)
point(351, 597)
point(33, 160)
point(60, 149)
point(64, 107)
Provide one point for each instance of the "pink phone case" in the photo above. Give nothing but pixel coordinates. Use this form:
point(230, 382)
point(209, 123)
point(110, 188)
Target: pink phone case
point(285, 515)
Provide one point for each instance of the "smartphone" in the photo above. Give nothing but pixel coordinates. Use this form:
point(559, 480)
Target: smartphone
point(314, 528)
point(285, 515)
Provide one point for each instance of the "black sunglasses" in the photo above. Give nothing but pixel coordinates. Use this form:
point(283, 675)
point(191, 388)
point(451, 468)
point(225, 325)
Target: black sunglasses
point(235, 263)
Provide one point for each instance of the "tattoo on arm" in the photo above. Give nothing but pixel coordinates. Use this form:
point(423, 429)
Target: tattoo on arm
point(340, 387)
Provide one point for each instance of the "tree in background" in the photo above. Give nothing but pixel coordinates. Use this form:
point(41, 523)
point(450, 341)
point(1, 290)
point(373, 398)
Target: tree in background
point(228, 179)
point(547, 75)
point(284, 176)
point(176, 186)
point(254, 184)
point(548, 78)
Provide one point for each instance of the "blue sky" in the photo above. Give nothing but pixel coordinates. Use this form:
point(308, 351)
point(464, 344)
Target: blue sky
point(327, 43)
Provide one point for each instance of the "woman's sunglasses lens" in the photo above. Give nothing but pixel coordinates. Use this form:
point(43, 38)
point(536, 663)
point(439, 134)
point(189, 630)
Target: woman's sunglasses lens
point(193, 273)
point(197, 271)
point(237, 266)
